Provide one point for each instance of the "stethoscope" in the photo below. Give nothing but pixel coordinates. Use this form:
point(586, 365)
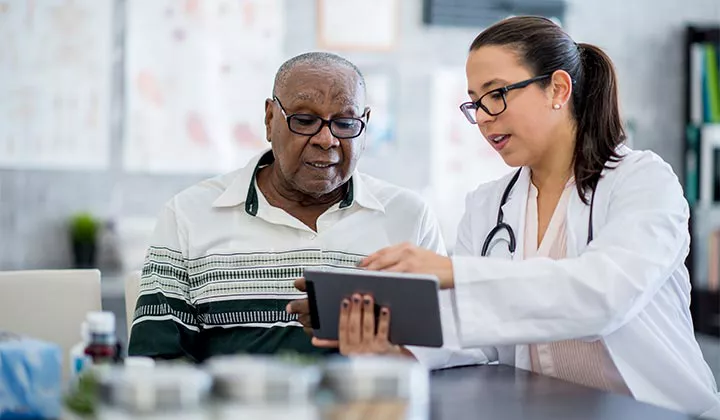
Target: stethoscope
point(501, 225)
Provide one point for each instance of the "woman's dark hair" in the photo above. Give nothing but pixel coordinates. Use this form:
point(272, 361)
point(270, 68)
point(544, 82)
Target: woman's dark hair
point(543, 47)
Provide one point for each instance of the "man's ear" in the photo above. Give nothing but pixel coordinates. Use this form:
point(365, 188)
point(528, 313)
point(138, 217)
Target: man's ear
point(363, 136)
point(268, 118)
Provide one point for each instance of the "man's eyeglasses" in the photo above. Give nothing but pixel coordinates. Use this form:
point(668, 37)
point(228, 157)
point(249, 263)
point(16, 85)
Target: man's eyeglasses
point(310, 125)
point(493, 102)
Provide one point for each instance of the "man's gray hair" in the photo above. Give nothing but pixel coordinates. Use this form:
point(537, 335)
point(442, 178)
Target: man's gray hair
point(314, 59)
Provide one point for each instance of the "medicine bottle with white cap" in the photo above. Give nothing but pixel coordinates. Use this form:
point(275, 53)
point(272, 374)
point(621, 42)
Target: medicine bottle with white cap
point(102, 345)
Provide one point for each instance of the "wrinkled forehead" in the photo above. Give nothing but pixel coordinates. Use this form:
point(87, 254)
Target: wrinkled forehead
point(328, 84)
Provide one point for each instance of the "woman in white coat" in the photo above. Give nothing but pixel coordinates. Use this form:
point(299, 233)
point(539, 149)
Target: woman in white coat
point(573, 265)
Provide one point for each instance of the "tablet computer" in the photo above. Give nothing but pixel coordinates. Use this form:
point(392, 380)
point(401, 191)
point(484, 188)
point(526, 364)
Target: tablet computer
point(412, 299)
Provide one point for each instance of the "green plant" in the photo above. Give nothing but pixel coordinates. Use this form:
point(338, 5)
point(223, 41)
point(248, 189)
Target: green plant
point(83, 399)
point(84, 228)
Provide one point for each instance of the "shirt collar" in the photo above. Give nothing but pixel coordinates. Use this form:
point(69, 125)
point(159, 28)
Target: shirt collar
point(570, 183)
point(243, 189)
point(237, 191)
point(362, 195)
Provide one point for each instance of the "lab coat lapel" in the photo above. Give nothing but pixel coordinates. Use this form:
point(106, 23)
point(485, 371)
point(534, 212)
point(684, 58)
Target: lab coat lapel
point(577, 218)
point(515, 208)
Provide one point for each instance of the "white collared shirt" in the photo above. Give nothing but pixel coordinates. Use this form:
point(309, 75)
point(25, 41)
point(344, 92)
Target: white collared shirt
point(223, 261)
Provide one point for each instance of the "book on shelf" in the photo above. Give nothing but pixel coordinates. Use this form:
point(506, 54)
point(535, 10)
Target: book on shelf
point(713, 279)
point(704, 83)
point(709, 139)
point(702, 159)
point(692, 164)
point(702, 169)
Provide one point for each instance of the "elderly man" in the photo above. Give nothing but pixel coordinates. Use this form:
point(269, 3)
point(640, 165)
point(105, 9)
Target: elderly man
point(220, 270)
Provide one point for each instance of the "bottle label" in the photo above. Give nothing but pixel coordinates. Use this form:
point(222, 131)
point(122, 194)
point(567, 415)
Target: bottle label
point(80, 364)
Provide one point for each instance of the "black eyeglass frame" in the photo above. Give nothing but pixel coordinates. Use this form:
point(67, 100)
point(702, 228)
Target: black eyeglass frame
point(467, 107)
point(323, 122)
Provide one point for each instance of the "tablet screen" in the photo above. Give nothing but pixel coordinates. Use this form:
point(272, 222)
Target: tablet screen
point(412, 300)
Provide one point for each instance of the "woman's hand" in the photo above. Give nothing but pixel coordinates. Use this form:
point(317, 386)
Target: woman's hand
point(407, 258)
point(357, 333)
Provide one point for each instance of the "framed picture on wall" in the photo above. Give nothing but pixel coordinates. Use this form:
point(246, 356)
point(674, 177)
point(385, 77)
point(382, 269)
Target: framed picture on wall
point(351, 25)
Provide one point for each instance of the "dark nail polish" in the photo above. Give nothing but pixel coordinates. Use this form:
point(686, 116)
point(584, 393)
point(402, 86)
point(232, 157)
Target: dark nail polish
point(356, 299)
point(367, 300)
point(385, 312)
point(345, 304)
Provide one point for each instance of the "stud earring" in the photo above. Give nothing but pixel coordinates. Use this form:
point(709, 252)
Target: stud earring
point(556, 106)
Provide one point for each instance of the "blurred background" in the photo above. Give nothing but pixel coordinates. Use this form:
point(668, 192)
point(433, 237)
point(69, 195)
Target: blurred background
point(110, 107)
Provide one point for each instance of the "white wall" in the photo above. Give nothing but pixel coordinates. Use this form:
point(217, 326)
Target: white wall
point(644, 38)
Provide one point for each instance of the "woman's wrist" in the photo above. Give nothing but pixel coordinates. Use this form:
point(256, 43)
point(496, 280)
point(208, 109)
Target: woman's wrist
point(446, 274)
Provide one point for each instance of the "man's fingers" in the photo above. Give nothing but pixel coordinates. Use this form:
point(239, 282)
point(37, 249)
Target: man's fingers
point(300, 284)
point(305, 320)
point(299, 306)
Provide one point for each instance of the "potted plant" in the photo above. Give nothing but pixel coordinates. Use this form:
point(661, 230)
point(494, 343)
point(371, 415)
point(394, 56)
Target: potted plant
point(83, 233)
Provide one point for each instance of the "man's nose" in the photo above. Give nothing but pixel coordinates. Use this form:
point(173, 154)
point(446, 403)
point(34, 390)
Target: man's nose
point(325, 138)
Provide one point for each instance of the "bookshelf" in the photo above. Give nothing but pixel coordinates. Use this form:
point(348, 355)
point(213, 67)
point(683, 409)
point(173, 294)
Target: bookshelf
point(701, 177)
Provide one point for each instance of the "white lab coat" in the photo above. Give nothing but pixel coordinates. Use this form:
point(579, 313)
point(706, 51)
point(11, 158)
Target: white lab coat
point(629, 287)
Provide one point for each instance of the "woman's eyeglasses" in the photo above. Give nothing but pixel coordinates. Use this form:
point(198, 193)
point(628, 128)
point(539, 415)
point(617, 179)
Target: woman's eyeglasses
point(494, 102)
